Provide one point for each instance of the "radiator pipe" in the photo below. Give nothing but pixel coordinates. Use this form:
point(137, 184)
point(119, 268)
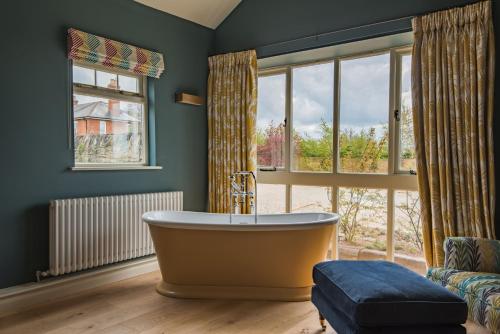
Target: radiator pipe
point(41, 274)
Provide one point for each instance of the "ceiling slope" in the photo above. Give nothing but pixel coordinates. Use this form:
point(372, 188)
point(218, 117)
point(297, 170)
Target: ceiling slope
point(208, 13)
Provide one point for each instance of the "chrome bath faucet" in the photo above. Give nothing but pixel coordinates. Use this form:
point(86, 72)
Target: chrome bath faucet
point(239, 193)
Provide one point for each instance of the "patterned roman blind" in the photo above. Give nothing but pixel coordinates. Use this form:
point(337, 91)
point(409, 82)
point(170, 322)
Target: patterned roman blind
point(93, 49)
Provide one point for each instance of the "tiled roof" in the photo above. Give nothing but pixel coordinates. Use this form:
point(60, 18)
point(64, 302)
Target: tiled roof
point(99, 110)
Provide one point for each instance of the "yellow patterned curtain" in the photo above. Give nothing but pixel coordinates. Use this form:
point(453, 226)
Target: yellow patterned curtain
point(232, 108)
point(452, 84)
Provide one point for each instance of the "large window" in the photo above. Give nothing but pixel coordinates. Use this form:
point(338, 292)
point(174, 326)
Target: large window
point(336, 135)
point(109, 117)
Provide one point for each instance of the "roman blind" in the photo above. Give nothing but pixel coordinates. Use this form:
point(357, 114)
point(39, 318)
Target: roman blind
point(93, 49)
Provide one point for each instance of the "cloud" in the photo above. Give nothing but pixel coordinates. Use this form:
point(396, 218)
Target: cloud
point(364, 91)
point(271, 100)
point(312, 98)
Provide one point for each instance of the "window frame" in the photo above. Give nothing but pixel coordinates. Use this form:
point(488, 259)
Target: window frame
point(398, 59)
point(141, 97)
point(273, 72)
point(394, 180)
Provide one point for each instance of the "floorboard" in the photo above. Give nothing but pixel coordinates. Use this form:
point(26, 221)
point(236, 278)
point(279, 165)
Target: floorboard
point(132, 306)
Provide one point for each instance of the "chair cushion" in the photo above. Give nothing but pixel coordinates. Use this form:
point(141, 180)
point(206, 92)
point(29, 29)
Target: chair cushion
point(480, 290)
point(380, 293)
point(472, 254)
point(342, 324)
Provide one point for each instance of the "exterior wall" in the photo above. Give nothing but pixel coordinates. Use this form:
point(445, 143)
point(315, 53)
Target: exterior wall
point(117, 127)
point(81, 127)
point(93, 127)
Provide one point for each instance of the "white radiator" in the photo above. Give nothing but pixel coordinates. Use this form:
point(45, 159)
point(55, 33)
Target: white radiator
point(90, 232)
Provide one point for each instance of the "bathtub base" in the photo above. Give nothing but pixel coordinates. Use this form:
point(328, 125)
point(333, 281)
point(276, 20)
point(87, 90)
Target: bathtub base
point(234, 292)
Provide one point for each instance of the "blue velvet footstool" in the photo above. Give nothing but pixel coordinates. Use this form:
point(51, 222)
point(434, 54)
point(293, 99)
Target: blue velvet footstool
point(365, 297)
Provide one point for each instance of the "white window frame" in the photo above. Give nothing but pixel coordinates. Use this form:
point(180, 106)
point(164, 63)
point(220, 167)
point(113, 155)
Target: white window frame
point(108, 93)
point(281, 71)
point(393, 181)
point(397, 58)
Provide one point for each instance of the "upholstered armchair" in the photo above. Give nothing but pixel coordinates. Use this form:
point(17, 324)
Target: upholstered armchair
point(472, 271)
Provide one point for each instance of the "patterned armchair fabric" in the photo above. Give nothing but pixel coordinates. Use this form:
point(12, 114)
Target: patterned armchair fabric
point(472, 254)
point(472, 272)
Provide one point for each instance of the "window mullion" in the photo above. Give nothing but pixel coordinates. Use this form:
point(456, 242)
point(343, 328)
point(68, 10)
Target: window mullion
point(289, 120)
point(397, 106)
point(393, 73)
point(336, 118)
point(390, 225)
point(336, 227)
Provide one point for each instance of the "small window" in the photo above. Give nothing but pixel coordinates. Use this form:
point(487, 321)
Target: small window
point(271, 121)
point(102, 127)
point(406, 159)
point(109, 114)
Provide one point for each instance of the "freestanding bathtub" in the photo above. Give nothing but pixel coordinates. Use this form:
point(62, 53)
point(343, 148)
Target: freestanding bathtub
point(202, 255)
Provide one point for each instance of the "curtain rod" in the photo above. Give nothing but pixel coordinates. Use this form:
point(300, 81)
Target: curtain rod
point(324, 34)
point(401, 21)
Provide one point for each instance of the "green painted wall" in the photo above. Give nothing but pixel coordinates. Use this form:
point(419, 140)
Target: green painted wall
point(34, 100)
point(257, 23)
point(34, 115)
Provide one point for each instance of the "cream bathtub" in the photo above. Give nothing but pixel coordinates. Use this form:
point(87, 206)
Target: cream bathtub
point(201, 255)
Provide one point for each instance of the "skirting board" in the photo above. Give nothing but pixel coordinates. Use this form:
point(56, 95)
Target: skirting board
point(25, 296)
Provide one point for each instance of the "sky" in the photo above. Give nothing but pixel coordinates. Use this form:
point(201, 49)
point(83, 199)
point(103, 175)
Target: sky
point(364, 95)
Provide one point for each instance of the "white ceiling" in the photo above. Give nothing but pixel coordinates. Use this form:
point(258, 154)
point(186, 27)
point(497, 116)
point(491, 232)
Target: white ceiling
point(208, 13)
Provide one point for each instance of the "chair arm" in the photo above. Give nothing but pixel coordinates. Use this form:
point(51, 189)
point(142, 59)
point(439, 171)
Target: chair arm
point(472, 254)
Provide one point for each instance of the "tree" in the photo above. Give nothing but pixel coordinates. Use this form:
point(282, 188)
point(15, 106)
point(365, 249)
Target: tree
point(270, 145)
point(314, 154)
point(406, 135)
point(410, 222)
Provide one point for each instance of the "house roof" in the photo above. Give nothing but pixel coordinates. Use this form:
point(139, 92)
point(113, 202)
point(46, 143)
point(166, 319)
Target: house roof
point(99, 110)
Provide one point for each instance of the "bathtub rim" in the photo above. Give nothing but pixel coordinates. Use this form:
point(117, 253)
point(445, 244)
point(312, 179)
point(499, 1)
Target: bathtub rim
point(333, 219)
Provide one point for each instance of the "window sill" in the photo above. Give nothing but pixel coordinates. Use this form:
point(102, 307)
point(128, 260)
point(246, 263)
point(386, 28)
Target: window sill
point(112, 168)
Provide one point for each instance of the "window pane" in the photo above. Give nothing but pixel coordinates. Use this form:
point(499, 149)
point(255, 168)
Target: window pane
point(313, 118)
point(83, 75)
point(311, 199)
point(364, 109)
point(271, 121)
point(107, 80)
point(408, 239)
point(363, 223)
point(108, 131)
point(129, 84)
point(407, 159)
point(271, 198)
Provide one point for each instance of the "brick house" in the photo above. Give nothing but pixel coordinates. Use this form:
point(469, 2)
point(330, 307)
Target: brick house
point(103, 117)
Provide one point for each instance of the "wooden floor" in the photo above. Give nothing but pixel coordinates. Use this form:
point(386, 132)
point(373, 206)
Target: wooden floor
point(133, 306)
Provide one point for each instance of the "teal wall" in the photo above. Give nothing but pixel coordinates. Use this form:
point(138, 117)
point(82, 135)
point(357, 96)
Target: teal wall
point(35, 88)
point(34, 113)
point(284, 23)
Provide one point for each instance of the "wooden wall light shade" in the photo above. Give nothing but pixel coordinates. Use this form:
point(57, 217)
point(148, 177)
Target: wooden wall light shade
point(189, 99)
